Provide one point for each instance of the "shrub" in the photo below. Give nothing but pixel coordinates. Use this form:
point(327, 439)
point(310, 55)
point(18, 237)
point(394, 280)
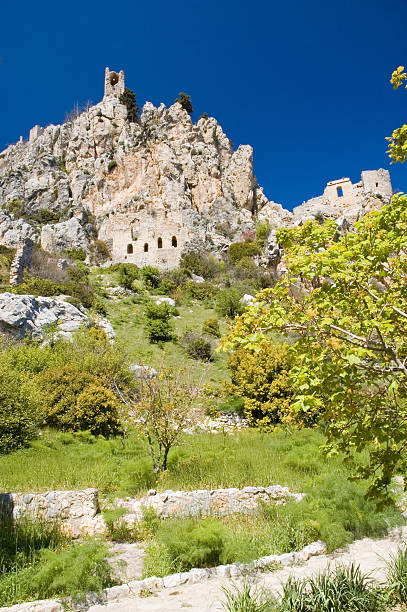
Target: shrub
point(248, 598)
point(128, 98)
point(97, 411)
point(199, 264)
point(18, 419)
point(161, 311)
point(261, 379)
point(228, 303)
point(211, 328)
point(17, 208)
point(262, 231)
point(127, 274)
point(73, 399)
point(238, 250)
point(200, 291)
point(160, 330)
point(100, 251)
point(151, 276)
point(45, 216)
point(39, 286)
point(111, 165)
point(197, 347)
point(76, 253)
point(193, 544)
point(185, 101)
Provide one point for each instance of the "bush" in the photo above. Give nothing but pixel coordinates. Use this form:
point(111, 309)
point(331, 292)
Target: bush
point(127, 274)
point(128, 98)
point(193, 544)
point(199, 264)
point(238, 250)
point(200, 291)
point(262, 231)
point(72, 572)
point(39, 286)
point(45, 216)
point(163, 311)
point(16, 208)
point(185, 100)
point(73, 400)
point(97, 411)
point(151, 276)
point(197, 347)
point(211, 328)
point(261, 379)
point(111, 165)
point(76, 253)
point(100, 251)
point(160, 330)
point(228, 303)
point(18, 419)
point(397, 576)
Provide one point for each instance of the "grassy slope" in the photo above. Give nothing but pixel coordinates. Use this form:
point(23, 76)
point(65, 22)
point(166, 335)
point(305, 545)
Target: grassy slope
point(127, 319)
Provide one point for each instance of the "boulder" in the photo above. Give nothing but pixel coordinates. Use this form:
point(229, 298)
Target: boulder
point(22, 315)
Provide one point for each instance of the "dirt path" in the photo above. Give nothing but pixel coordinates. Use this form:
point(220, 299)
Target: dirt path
point(368, 553)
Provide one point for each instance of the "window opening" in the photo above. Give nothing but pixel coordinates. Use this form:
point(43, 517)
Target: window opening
point(146, 247)
point(129, 248)
point(160, 243)
point(174, 241)
point(339, 191)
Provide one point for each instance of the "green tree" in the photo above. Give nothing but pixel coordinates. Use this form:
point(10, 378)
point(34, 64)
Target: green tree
point(261, 379)
point(185, 101)
point(344, 302)
point(128, 98)
point(162, 408)
point(398, 140)
point(18, 419)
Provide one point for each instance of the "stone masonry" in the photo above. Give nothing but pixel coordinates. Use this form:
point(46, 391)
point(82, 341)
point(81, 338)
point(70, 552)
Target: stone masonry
point(77, 511)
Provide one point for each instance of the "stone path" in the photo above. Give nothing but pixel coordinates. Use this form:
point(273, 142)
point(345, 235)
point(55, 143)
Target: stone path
point(201, 597)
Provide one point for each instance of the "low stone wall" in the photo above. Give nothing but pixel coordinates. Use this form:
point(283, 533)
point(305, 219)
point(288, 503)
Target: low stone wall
point(152, 585)
point(215, 502)
point(77, 511)
point(79, 515)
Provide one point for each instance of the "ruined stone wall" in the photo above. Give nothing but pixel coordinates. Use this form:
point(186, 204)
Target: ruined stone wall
point(215, 502)
point(77, 511)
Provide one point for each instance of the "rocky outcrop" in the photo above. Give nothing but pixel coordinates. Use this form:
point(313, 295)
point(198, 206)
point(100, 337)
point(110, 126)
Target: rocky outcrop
point(22, 315)
point(154, 188)
point(64, 236)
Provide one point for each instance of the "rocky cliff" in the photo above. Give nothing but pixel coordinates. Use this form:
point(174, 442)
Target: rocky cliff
point(149, 189)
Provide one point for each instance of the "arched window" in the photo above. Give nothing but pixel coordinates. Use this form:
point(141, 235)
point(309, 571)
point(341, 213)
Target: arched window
point(129, 248)
point(339, 191)
point(160, 243)
point(145, 247)
point(174, 241)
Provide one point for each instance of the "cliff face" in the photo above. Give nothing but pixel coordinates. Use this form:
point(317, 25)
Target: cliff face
point(150, 189)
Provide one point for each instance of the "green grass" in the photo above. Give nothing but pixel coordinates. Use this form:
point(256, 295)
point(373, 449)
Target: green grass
point(126, 316)
point(123, 466)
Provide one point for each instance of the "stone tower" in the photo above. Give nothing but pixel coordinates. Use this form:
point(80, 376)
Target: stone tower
point(114, 83)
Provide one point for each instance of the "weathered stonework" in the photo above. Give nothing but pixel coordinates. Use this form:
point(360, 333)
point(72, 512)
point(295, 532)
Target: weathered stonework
point(76, 511)
point(22, 259)
point(215, 502)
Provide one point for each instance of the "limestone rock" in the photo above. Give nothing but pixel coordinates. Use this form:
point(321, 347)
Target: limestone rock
point(25, 314)
point(64, 236)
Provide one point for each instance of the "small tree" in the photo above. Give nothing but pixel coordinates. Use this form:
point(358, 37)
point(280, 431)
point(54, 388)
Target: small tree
point(162, 408)
point(185, 101)
point(128, 98)
point(398, 140)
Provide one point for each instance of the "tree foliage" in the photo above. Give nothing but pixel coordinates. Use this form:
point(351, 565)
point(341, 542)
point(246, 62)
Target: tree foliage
point(344, 303)
point(128, 98)
point(162, 408)
point(261, 379)
point(185, 100)
point(18, 419)
point(398, 140)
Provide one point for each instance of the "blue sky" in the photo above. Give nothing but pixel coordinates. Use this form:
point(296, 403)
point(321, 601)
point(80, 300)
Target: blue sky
point(305, 83)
